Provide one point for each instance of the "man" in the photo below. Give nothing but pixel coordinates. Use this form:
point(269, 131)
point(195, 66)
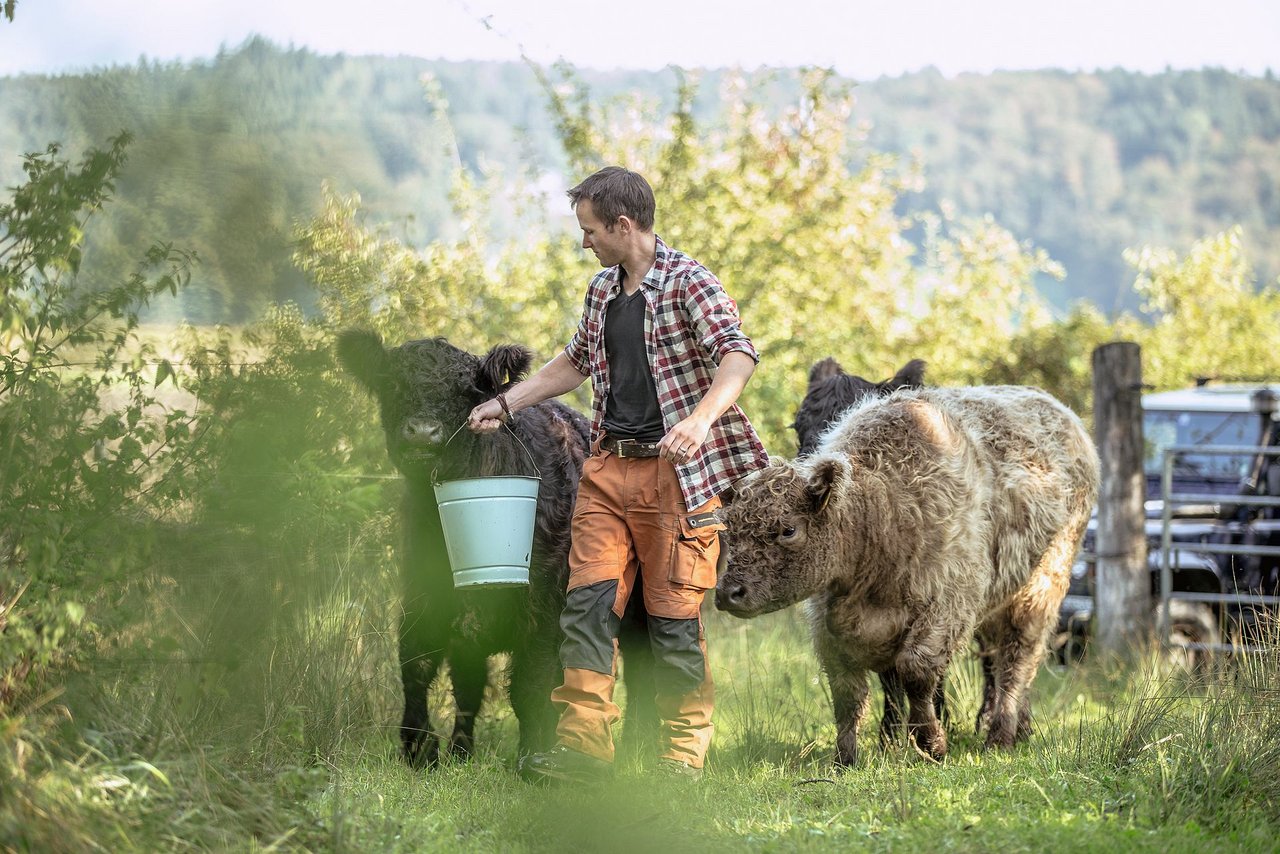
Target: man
point(667, 357)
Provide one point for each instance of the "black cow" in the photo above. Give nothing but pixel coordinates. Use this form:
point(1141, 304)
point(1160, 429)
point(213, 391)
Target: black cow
point(426, 389)
point(832, 391)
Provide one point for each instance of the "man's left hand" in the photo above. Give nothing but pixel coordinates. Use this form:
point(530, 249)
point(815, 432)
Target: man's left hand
point(683, 441)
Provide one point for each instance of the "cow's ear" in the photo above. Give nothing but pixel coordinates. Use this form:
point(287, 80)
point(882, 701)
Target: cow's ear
point(502, 366)
point(824, 370)
point(822, 484)
point(361, 354)
point(910, 376)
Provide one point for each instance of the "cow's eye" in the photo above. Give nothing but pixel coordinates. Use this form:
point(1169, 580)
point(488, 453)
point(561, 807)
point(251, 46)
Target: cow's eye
point(788, 532)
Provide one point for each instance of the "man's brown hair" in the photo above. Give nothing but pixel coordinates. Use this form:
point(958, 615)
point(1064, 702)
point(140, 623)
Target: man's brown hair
point(616, 192)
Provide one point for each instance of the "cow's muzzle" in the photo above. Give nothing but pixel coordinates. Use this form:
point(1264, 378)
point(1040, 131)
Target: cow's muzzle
point(732, 596)
point(420, 431)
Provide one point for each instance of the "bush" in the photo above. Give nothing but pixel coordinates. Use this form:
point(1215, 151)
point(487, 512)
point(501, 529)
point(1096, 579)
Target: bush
point(85, 440)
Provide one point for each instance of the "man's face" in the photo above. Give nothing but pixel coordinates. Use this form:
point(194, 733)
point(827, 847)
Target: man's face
point(608, 246)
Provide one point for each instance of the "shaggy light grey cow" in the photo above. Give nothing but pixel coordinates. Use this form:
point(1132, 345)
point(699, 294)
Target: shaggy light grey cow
point(922, 518)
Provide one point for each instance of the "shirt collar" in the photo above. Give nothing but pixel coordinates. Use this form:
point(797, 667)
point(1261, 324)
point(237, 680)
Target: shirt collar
point(656, 278)
point(657, 275)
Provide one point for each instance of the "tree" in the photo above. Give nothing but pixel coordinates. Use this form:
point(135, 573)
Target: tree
point(1208, 316)
point(809, 245)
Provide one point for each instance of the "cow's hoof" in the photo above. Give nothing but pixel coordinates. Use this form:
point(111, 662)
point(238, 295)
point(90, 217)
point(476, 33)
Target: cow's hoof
point(931, 743)
point(421, 754)
point(1002, 735)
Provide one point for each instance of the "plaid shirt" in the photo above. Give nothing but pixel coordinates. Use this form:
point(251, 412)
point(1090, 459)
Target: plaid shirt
point(690, 324)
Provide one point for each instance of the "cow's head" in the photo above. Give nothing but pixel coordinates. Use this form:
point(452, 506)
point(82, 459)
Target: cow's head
point(426, 389)
point(832, 391)
point(783, 535)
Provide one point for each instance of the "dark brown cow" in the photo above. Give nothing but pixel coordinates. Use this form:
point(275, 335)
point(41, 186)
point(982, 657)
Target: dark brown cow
point(426, 389)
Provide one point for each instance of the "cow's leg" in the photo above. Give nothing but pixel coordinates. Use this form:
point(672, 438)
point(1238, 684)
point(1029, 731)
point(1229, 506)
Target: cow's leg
point(940, 704)
point(469, 673)
point(424, 621)
point(1016, 663)
point(1030, 616)
point(894, 705)
point(849, 696)
point(535, 672)
point(921, 686)
point(1024, 718)
point(419, 663)
point(988, 654)
point(988, 708)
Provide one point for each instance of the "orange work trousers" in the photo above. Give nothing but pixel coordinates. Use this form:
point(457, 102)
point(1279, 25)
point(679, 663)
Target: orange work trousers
point(630, 518)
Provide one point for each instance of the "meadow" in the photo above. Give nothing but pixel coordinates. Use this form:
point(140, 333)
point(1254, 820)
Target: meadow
point(252, 707)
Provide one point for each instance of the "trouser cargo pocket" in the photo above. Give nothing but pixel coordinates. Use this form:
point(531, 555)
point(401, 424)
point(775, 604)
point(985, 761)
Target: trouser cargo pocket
point(695, 550)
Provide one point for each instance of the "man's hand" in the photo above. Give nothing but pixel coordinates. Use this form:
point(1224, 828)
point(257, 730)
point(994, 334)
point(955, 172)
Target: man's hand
point(683, 440)
point(487, 417)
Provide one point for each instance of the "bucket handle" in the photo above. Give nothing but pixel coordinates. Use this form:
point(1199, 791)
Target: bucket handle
point(514, 435)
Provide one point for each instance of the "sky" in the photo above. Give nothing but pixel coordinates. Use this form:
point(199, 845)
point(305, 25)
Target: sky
point(861, 39)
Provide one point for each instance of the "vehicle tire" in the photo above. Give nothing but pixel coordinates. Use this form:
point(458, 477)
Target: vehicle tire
point(1190, 622)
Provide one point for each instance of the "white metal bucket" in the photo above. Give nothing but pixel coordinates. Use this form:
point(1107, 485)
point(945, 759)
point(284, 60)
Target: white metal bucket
point(488, 528)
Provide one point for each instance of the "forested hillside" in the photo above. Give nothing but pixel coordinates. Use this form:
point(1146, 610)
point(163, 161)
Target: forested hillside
point(1086, 165)
point(229, 154)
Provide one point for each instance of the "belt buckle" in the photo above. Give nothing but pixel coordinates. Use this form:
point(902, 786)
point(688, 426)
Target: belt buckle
point(620, 446)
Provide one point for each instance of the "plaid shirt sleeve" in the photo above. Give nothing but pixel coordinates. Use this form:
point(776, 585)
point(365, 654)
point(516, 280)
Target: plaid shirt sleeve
point(580, 348)
point(715, 318)
point(696, 324)
point(576, 349)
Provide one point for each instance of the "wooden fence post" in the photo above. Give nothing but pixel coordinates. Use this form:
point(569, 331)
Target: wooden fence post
point(1122, 603)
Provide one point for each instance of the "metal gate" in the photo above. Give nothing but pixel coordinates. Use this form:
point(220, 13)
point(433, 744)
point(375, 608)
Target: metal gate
point(1168, 546)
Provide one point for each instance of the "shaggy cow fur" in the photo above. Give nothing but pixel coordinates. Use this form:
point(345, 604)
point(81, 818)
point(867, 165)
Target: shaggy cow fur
point(830, 394)
point(924, 517)
point(426, 389)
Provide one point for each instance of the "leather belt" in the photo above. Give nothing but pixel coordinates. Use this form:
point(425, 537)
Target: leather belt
point(628, 447)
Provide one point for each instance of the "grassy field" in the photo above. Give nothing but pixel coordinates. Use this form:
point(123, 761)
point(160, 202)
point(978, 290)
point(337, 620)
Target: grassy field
point(262, 718)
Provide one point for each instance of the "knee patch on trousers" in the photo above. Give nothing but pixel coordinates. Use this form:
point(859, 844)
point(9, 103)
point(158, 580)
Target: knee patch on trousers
point(589, 627)
point(679, 663)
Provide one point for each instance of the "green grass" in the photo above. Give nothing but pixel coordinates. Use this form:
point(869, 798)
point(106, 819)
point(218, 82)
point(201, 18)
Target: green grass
point(263, 716)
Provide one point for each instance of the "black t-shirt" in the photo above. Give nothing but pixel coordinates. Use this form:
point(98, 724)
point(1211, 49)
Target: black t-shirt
point(631, 409)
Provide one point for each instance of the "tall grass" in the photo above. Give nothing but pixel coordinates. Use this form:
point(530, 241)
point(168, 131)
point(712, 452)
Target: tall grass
point(251, 703)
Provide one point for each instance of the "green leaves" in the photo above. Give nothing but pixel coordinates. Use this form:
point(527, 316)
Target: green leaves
point(85, 447)
point(1209, 317)
point(164, 371)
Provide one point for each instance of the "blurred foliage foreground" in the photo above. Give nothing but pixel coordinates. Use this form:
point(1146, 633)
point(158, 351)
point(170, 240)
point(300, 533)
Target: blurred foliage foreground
point(196, 531)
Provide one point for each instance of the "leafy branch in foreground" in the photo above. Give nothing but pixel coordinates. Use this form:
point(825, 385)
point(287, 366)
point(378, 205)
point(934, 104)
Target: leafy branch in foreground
point(85, 442)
